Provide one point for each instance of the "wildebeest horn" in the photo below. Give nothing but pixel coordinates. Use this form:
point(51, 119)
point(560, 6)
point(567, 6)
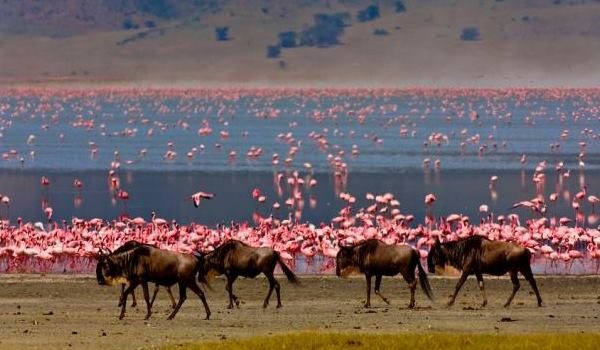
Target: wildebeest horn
point(343, 245)
point(104, 251)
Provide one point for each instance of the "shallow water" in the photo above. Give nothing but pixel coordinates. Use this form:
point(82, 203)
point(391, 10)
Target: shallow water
point(167, 194)
point(508, 124)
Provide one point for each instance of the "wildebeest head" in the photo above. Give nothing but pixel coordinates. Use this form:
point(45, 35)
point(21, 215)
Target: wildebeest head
point(345, 261)
point(107, 271)
point(436, 257)
point(202, 268)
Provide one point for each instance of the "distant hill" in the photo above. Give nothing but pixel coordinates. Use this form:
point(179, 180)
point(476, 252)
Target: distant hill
point(301, 43)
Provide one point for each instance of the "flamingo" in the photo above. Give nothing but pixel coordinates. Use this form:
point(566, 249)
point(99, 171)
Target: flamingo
point(198, 196)
point(536, 207)
point(6, 201)
point(593, 201)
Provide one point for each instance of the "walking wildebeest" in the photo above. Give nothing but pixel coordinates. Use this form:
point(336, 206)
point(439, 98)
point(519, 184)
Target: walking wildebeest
point(234, 258)
point(144, 264)
point(478, 255)
point(375, 258)
point(125, 247)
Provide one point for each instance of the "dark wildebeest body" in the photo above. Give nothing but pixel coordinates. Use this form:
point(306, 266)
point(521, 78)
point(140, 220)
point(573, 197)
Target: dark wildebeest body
point(477, 256)
point(144, 264)
point(234, 258)
point(375, 258)
point(125, 247)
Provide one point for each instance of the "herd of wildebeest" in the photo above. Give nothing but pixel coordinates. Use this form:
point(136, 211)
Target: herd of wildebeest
point(135, 264)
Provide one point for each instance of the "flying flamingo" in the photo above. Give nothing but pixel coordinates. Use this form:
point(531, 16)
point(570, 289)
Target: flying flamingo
point(536, 207)
point(198, 196)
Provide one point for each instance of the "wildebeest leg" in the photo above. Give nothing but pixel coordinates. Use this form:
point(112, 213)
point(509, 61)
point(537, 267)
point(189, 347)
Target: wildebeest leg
point(194, 287)
point(377, 286)
point(154, 295)
point(147, 299)
point(273, 284)
point(229, 288)
point(122, 299)
point(134, 302)
point(528, 274)
point(128, 290)
point(459, 285)
point(278, 291)
point(182, 297)
point(515, 281)
point(409, 277)
point(481, 288)
point(121, 296)
point(368, 277)
point(173, 303)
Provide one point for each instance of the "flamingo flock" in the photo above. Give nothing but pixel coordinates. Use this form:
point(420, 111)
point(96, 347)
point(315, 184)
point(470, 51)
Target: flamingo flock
point(293, 132)
point(35, 246)
point(331, 129)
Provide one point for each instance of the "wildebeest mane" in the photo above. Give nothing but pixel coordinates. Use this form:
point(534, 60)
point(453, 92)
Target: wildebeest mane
point(363, 249)
point(459, 251)
point(127, 260)
point(127, 246)
point(218, 255)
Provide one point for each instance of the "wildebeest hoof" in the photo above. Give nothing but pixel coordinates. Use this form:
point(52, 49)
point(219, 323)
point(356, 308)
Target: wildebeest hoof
point(279, 305)
point(121, 317)
point(411, 306)
point(450, 303)
point(265, 305)
point(134, 305)
point(230, 306)
point(367, 306)
point(170, 318)
point(484, 304)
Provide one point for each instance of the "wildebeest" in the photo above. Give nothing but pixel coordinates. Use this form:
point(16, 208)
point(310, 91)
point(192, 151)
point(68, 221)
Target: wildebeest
point(144, 264)
point(478, 255)
point(234, 258)
point(125, 247)
point(375, 258)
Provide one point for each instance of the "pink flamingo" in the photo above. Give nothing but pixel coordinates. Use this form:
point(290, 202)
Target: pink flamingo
point(198, 196)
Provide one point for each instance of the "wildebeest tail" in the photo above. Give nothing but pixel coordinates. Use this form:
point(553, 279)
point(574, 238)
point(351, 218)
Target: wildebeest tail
point(286, 270)
point(423, 280)
point(200, 269)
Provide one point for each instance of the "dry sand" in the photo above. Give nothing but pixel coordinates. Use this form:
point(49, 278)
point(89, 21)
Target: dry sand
point(57, 311)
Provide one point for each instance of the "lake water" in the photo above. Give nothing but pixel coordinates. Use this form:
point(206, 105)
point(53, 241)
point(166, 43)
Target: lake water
point(381, 137)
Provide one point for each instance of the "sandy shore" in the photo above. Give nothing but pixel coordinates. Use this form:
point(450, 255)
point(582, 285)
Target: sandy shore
point(58, 311)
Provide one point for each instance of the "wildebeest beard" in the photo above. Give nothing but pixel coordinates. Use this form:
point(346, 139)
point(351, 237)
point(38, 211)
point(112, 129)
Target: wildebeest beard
point(114, 268)
point(349, 270)
point(351, 259)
